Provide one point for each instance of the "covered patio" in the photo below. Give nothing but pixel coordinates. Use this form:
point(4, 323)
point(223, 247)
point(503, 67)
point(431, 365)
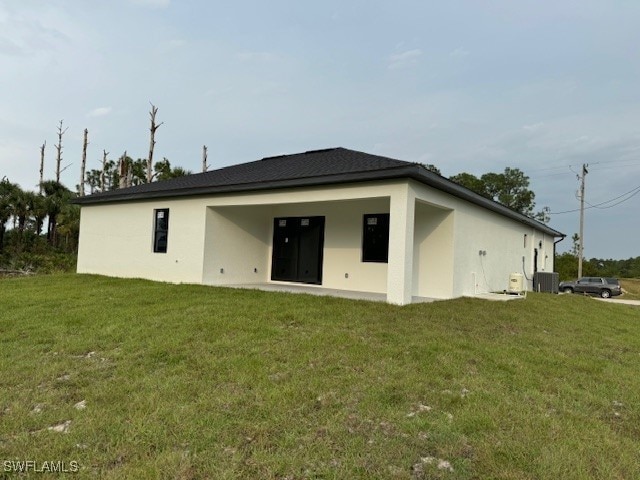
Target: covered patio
point(244, 243)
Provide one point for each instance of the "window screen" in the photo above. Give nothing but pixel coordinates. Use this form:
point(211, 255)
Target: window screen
point(161, 230)
point(375, 238)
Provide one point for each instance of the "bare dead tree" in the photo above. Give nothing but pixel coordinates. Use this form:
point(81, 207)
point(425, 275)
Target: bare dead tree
point(152, 141)
point(42, 147)
point(129, 174)
point(123, 171)
point(104, 167)
point(66, 166)
point(61, 132)
point(83, 164)
point(205, 166)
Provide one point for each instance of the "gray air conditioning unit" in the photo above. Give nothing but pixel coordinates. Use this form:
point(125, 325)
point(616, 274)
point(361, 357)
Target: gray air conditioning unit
point(546, 282)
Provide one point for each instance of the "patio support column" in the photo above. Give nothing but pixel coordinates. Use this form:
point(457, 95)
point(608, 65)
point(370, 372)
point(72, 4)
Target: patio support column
point(401, 224)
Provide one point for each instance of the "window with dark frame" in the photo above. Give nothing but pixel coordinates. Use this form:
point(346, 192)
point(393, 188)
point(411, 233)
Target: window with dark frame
point(160, 230)
point(375, 238)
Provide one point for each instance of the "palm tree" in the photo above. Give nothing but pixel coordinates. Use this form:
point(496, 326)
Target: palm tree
point(21, 206)
point(6, 207)
point(21, 203)
point(12, 205)
point(68, 227)
point(163, 170)
point(56, 197)
point(38, 212)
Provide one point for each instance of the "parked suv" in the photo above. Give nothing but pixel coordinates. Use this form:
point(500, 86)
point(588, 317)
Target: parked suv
point(605, 287)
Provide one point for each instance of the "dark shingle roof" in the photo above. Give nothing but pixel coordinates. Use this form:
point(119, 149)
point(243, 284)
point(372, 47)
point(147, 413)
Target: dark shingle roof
point(265, 173)
point(317, 167)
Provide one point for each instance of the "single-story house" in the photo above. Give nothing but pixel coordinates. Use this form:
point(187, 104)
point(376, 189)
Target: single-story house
point(335, 219)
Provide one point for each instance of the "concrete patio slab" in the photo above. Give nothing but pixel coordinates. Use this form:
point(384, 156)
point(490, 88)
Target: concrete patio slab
point(355, 295)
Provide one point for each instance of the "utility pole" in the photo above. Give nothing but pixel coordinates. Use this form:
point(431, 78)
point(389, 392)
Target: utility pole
point(581, 244)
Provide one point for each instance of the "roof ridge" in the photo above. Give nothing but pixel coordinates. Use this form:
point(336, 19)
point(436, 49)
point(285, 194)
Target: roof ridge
point(282, 155)
point(320, 150)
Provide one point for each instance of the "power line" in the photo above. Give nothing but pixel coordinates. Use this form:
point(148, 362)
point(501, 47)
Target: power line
point(600, 166)
point(551, 175)
point(634, 192)
point(557, 167)
point(637, 191)
point(616, 198)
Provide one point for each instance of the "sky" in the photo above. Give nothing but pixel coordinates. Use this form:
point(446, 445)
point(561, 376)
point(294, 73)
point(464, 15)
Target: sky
point(467, 85)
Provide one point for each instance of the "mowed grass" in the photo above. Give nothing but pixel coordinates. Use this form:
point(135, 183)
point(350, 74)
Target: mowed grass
point(195, 382)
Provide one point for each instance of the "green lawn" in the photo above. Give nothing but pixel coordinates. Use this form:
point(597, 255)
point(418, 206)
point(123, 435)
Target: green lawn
point(194, 382)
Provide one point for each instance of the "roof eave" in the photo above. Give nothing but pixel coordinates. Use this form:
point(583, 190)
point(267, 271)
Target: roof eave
point(412, 171)
point(246, 187)
point(436, 181)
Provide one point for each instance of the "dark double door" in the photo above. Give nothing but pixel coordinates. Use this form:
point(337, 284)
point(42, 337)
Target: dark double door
point(297, 249)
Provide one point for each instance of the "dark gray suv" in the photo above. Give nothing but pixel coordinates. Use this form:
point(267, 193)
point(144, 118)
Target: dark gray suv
point(605, 287)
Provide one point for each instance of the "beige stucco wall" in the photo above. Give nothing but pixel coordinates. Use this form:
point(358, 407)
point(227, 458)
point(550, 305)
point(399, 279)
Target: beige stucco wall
point(504, 244)
point(433, 251)
point(233, 233)
point(237, 245)
point(242, 254)
point(476, 229)
point(117, 240)
point(225, 240)
point(342, 263)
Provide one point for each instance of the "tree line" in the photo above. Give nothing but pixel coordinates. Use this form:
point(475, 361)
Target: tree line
point(26, 212)
point(46, 222)
point(566, 264)
point(510, 188)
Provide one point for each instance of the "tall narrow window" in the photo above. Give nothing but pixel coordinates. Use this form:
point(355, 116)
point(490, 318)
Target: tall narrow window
point(375, 238)
point(160, 230)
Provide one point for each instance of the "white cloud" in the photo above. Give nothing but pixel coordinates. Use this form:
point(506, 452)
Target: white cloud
point(459, 52)
point(25, 34)
point(263, 57)
point(219, 91)
point(173, 45)
point(99, 112)
point(270, 88)
point(176, 43)
point(152, 3)
point(533, 127)
point(8, 47)
point(405, 59)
